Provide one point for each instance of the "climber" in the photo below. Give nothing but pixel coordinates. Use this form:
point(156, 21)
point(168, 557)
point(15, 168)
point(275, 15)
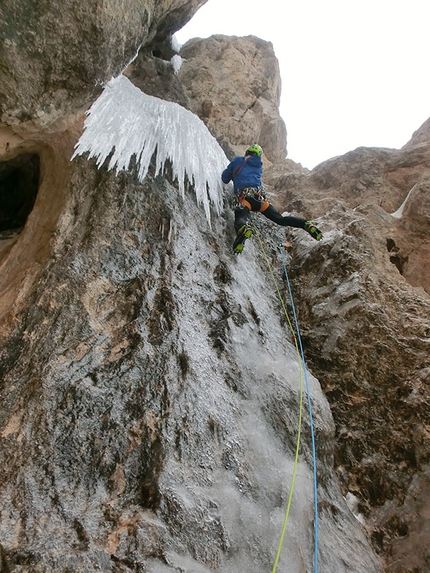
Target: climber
point(249, 195)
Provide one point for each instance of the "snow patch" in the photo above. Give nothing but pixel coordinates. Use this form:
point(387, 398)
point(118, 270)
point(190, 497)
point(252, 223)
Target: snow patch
point(176, 62)
point(352, 502)
point(124, 121)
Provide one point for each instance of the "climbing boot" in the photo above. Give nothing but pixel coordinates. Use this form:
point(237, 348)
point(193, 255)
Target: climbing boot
point(313, 230)
point(243, 233)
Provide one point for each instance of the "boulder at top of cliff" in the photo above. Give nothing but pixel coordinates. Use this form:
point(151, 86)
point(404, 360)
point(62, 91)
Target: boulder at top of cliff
point(234, 85)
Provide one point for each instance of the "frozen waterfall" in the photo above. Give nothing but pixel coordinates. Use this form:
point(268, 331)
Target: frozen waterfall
point(124, 121)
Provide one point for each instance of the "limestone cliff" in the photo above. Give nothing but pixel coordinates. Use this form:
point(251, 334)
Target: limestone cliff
point(150, 396)
point(363, 295)
point(365, 301)
point(149, 386)
point(369, 285)
point(238, 97)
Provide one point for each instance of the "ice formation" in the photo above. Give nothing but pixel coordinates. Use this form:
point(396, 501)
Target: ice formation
point(399, 213)
point(124, 121)
point(176, 62)
point(176, 46)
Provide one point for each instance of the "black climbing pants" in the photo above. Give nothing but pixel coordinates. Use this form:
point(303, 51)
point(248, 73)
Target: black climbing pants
point(241, 215)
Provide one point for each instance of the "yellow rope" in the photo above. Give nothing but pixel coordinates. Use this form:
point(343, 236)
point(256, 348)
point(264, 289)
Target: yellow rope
point(299, 429)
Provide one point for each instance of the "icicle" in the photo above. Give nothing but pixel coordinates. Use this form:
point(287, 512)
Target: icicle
point(124, 122)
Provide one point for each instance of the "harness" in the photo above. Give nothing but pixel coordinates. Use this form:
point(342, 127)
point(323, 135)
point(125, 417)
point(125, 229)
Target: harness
point(248, 197)
point(255, 192)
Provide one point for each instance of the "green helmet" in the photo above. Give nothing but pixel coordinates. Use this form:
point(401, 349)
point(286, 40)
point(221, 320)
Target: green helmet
point(254, 150)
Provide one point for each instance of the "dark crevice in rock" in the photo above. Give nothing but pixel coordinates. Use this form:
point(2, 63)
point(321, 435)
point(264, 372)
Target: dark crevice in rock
point(152, 463)
point(396, 258)
point(3, 563)
point(19, 184)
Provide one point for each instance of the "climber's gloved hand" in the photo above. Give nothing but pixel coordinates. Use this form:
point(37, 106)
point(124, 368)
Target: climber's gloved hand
point(313, 230)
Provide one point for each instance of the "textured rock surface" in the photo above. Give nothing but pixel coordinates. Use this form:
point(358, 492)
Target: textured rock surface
point(388, 179)
point(363, 295)
point(128, 443)
point(363, 299)
point(54, 58)
point(421, 135)
point(149, 392)
point(234, 86)
point(55, 54)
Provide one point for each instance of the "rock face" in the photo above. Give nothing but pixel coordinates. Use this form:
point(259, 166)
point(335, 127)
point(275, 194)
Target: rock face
point(363, 295)
point(395, 181)
point(130, 443)
point(54, 58)
point(235, 87)
point(422, 135)
point(55, 54)
point(149, 389)
point(149, 395)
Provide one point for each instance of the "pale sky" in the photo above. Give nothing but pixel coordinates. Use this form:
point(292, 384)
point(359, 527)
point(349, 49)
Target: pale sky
point(353, 72)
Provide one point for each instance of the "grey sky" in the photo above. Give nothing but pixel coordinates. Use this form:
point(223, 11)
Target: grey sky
point(353, 73)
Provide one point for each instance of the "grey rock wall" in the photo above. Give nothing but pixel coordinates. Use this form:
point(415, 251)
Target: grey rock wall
point(57, 54)
point(149, 387)
point(150, 401)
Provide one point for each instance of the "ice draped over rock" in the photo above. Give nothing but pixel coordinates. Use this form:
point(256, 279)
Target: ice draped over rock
point(149, 385)
point(150, 419)
point(125, 122)
point(149, 404)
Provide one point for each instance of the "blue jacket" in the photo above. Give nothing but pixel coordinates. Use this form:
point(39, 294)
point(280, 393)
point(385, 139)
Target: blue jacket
point(248, 176)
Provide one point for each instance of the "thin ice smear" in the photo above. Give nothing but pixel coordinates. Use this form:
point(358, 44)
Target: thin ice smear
point(399, 213)
point(125, 121)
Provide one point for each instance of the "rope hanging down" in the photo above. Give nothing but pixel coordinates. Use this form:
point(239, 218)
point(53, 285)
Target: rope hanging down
point(311, 422)
point(301, 360)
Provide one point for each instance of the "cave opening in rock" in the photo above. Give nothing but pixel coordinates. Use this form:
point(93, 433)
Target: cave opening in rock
point(19, 184)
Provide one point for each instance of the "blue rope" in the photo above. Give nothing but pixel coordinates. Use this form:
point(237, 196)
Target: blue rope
point(311, 423)
point(299, 428)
